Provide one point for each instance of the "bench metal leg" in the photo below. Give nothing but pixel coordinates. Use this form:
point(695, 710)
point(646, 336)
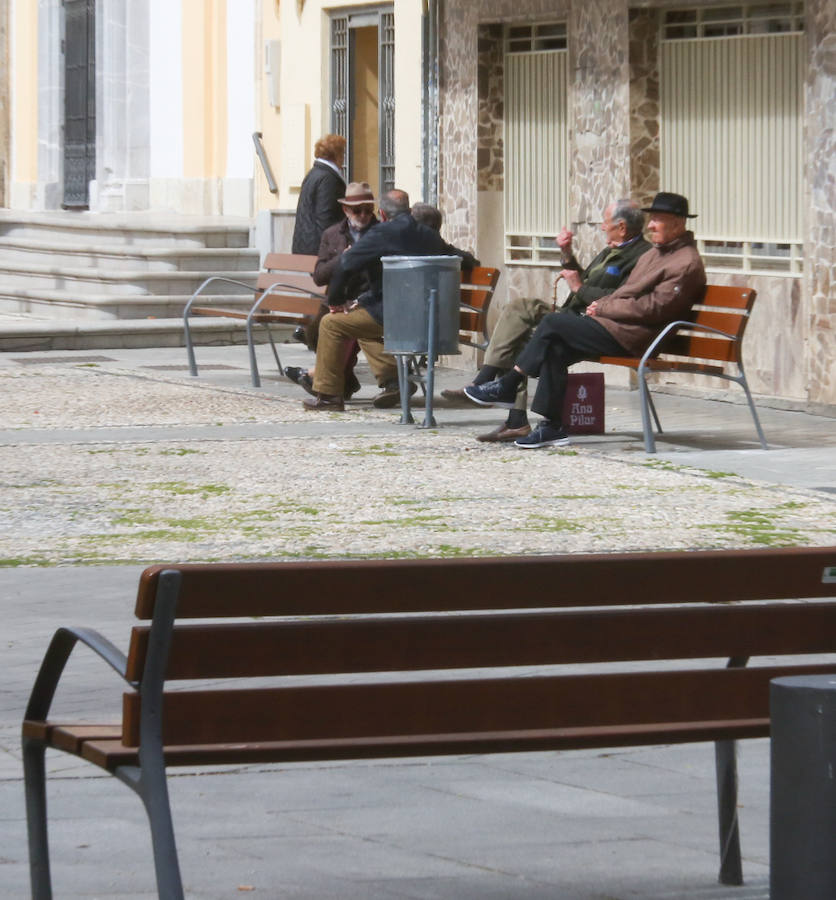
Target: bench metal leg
point(166, 864)
point(731, 868)
point(745, 385)
point(645, 402)
point(251, 347)
point(189, 346)
point(725, 753)
point(275, 351)
point(34, 775)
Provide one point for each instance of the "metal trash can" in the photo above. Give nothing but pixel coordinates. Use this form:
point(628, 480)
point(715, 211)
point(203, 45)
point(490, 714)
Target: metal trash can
point(802, 806)
point(407, 282)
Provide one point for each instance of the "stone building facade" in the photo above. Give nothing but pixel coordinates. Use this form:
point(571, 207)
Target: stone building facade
point(614, 151)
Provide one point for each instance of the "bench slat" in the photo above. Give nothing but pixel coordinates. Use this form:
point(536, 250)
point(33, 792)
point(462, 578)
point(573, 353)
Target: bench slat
point(475, 641)
point(354, 710)
point(341, 587)
point(108, 754)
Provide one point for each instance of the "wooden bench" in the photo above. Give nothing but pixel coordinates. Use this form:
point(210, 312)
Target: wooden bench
point(285, 293)
point(708, 342)
point(478, 287)
point(680, 628)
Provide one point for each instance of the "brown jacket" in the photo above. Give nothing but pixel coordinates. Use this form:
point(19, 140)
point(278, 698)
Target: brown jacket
point(665, 283)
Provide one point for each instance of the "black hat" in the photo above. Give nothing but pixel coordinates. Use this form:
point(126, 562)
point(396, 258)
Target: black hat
point(675, 204)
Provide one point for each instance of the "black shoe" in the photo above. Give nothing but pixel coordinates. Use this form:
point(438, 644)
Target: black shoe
point(300, 376)
point(544, 435)
point(491, 393)
point(391, 395)
point(294, 373)
point(299, 335)
point(352, 385)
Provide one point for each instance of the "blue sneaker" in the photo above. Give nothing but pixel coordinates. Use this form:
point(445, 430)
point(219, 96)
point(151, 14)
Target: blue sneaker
point(491, 393)
point(544, 435)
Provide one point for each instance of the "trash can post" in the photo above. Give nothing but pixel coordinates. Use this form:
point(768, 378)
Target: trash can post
point(432, 343)
point(802, 809)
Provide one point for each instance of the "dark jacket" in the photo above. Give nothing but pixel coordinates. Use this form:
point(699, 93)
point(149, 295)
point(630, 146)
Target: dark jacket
point(335, 241)
point(604, 274)
point(663, 286)
point(401, 236)
point(317, 208)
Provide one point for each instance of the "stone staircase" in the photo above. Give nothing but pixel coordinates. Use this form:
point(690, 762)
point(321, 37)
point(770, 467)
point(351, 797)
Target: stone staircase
point(72, 280)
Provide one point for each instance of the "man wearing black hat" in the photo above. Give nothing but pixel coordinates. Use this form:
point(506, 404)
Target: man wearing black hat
point(665, 283)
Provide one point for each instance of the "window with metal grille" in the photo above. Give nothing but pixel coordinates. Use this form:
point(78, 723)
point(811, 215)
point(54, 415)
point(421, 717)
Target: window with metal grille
point(731, 131)
point(344, 100)
point(725, 21)
point(536, 141)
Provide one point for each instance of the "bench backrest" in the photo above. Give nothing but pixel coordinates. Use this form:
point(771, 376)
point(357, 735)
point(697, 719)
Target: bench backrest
point(725, 308)
point(286, 284)
point(332, 618)
point(478, 286)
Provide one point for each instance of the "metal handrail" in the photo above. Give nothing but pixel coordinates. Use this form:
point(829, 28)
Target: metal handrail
point(265, 162)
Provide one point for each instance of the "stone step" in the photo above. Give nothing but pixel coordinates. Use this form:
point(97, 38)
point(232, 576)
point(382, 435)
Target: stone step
point(60, 306)
point(133, 229)
point(28, 334)
point(17, 279)
point(24, 252)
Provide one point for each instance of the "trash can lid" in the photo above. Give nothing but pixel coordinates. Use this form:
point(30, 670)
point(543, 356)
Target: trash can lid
point(409, 262)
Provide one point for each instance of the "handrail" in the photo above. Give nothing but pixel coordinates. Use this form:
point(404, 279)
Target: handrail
point(265, 162)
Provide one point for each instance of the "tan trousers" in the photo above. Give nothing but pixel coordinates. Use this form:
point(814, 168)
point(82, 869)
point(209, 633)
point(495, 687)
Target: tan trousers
point(511, 333)
point(334, 330)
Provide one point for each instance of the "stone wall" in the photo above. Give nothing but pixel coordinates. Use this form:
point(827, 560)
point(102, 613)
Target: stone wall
point(820, 247)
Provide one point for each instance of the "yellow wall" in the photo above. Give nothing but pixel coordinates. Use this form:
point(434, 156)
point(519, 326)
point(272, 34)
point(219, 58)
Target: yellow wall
point(25, 92)
point(305, 91)
point(204, 88)
point(268, 118)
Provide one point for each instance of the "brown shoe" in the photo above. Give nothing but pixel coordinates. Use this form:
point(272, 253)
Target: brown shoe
point(324, 402)
point(456, 397)
point(504, 434)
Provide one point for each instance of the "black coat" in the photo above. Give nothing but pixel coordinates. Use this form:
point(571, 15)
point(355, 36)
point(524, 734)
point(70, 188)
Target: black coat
point(401, 236)
point(317, 208)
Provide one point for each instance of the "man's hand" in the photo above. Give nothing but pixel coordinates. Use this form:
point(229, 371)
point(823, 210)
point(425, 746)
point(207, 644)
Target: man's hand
point(573, 278)
point(335, 310)
point(564, 240)
point(592, 309)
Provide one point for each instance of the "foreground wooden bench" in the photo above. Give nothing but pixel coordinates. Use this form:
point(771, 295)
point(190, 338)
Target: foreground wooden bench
point(708, 342)
point(681, 626)
point(284, 293)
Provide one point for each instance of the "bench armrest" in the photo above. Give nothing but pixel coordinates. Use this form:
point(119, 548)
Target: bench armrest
point(653, 349)
point(196, 294)
point(55, 659)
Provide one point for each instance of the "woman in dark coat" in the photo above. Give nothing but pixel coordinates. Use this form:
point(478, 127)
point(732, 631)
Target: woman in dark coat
point(323, 188)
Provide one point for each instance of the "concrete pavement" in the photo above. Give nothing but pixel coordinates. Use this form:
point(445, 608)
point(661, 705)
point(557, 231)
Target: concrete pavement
point(582, 825)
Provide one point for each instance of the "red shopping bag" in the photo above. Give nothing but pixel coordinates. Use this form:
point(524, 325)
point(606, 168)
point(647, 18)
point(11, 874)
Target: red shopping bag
point(583, 407)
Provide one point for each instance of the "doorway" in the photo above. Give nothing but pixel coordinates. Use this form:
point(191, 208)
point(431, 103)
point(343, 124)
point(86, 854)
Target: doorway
point(79, 102)
point(363, 94)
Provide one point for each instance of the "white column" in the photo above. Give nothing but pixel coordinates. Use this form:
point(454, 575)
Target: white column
point(166, 102)
point(242, 58)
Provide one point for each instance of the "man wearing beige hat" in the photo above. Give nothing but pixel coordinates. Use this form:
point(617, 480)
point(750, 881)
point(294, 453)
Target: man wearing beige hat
point(358, 206)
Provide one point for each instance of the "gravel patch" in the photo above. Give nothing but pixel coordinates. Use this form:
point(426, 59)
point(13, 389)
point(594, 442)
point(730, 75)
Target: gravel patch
point(297, 496)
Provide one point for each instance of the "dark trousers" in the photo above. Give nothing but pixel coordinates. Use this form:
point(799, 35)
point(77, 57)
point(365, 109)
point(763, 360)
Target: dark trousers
point(558, 342)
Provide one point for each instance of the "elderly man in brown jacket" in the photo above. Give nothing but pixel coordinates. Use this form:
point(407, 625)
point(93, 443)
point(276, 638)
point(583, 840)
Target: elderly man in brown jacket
point(665, 283)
